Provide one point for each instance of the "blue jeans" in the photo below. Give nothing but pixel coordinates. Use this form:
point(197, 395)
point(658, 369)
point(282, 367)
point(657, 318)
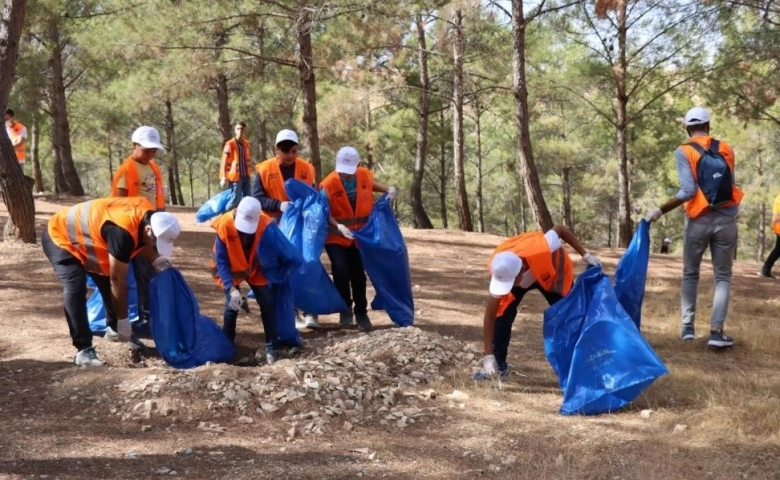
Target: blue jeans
point(239, 190)
point(719, 233)
point(265, 300)
point(502, 332)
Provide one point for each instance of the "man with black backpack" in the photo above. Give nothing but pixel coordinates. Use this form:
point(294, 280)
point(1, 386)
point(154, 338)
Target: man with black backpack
point(705, 167)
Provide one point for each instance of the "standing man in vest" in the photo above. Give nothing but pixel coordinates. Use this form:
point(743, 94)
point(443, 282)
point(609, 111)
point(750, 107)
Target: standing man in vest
point(705, 226)
point(236, 166)
point(139, 176)
point(766, 270)
point(525, 262)
point(350, 193)
point(234, 260)
point(18, 135)
point(99, 238)
point(268, 187)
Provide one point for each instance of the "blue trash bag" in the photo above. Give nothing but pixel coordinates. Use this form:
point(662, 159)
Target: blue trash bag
point(386, 261)
point(184, 337)
point(631, 273)
point(279, 258)
point(305, 224)
point(96, 311)
point(213, 206)
point(602, 360)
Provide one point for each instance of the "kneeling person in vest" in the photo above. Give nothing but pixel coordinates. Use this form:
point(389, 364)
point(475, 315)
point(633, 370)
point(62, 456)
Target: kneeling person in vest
point(350, 193)
point(235, 260)
point(99, 238)
point(529, 261)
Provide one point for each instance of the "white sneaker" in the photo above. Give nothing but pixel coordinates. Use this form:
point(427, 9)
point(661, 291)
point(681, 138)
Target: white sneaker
point(310, 321)
point(300, 323)
point(87, 358)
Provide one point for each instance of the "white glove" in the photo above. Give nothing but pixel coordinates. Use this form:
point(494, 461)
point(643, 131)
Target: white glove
point(284, 206)
point(223, 182)
point(124, 329)
point(162, 263)
point(489, 365)
point(345, 231)
point(391, 193)
point(235, 300)
point(591, 259)
point(653, 215)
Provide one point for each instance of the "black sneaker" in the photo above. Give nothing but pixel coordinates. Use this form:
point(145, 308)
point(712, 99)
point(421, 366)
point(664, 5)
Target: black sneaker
point(346, 318)
point(720, 339)
point(765, 274)
point(363, 322)
point(688, 332)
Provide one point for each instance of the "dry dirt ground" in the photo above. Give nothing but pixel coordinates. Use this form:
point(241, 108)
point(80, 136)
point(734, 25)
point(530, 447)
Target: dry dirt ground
point(381, 405)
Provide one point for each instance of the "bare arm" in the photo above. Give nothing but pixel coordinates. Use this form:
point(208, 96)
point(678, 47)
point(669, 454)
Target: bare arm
point(118, 276)
point(568, 236)
point(380, 187)
point(121, 192)
point(489, 323)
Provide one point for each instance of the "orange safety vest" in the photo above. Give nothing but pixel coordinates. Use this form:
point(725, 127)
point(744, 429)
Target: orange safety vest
point(776, 215)
point(232, 163)
point(554, 271)
point(130, 171)
point(273, 183)
point(699, 204)
point(341, 209)
point(20, 149)
point(241, 267)
point(77, 229)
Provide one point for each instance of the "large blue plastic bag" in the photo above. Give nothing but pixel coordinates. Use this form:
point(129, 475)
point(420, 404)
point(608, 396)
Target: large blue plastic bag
point(213, 206)
point(386, 260)
point(602, 360)
point(278, 259)
point(183, 336)
point(631, 273)
point(96, 311)
point(305, 224)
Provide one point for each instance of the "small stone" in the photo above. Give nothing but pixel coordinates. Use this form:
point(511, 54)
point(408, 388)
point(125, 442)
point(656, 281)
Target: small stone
point(680, 428)
point(189, 451)
point(245, 419)
point(347, 426)
point(645, 413)
point(146, 428)
point(458, 396)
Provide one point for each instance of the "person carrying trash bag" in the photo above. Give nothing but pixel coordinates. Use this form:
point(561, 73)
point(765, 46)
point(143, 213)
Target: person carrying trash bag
point(525, 262)
point(235, 260)
point(350, 193)
point(99, 238)
point(268, 188)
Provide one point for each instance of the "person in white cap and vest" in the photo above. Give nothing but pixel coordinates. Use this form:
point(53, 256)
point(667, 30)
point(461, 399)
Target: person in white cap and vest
point(350, 192)
point(705, 169)
point(525, 262)
point(268, 188)
point(99, 238)
point(140, 176)
point(234, 260)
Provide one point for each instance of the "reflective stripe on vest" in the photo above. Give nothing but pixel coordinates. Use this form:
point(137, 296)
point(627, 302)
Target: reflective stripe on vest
point(78, 233)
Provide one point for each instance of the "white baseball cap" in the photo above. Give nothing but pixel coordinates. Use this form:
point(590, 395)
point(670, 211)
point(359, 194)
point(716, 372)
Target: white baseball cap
point(505, 267)
point(166, 228)
point(347, 160)
point(697, 116)
point(286, 135)
point(148, 137)
point(248, 215)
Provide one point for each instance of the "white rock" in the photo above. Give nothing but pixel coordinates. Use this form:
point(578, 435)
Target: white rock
point(680, 428)
point(645, 413)
point(458, 396)
point(245, 419)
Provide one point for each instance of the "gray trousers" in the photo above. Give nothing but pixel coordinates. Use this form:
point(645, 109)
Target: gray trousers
point(718, 232)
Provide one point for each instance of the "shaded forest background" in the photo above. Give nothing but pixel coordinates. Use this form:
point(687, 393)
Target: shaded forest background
point(489, 116)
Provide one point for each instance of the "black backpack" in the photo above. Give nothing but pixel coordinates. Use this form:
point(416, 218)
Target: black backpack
point(713, 175)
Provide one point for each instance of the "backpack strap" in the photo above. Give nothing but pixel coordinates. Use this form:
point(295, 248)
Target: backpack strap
point(714, 147)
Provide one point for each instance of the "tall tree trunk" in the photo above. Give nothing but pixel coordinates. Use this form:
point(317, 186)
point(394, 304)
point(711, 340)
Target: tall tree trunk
point(525, 151)
point(478, 189)
point(59, 111)
point(462, 196)
point(421, 219)
point(567, 218)
point(308, 86)
point(16, 194)
point(761, 240)
point(262, 125)
point(369, 155)
point(174, 182)
point(60, 183)
point(191, 178)
point(223, 107)
point(625, 226)
point(443, 177)
point(35, 152)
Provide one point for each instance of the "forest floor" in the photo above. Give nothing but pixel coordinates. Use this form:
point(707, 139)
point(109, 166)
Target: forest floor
point(392, 403)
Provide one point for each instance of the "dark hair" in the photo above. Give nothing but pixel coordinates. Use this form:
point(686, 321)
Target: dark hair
point(9, 112)
point(286, 145)
point(698, 128)
point(241, 123)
